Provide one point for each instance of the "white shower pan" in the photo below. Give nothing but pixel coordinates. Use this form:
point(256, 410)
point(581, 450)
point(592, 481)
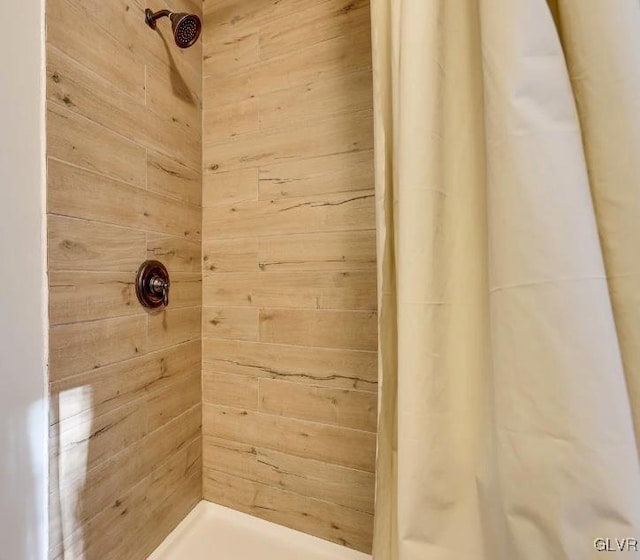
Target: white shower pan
point(213, 532)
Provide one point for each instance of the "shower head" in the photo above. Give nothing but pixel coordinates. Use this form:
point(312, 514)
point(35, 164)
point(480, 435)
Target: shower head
point(186, 27)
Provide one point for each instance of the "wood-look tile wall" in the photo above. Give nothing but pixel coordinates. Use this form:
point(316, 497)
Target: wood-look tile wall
point(289, 295)
point(124, 184)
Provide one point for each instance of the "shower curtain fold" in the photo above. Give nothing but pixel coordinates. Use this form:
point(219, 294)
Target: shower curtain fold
point(508, 207)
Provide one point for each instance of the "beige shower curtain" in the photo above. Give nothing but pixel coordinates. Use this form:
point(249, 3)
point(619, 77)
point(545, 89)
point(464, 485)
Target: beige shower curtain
point(508, 203)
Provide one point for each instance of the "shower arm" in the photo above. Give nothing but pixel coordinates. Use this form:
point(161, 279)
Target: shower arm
point(151, 16)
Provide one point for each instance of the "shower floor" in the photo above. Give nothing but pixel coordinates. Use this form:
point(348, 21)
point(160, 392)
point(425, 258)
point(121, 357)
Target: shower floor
point(213, 532)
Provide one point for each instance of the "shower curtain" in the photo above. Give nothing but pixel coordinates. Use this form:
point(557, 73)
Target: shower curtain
point(508, 206)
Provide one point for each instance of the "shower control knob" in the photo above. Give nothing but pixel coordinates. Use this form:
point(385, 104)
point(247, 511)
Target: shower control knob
point(152, 285)
point(160, 287)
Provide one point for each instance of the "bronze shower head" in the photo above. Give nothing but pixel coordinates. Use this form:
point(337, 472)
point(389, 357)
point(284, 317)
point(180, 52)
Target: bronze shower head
point(186, 27)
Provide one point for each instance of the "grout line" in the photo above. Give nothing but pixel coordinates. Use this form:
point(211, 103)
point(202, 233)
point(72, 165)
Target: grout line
point(259, 380)
point(288, 235)
point(240, 237)
point(146, 170)
point(125, 272)
point(301, 309)
point(202, 198)
point(107, 272)
point(328, 272)
point(298, 347)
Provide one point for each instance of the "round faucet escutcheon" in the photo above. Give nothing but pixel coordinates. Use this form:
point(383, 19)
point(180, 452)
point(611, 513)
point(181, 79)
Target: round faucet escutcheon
point(152, 285)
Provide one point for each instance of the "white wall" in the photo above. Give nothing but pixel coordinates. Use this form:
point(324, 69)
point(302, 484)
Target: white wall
point(23, 460)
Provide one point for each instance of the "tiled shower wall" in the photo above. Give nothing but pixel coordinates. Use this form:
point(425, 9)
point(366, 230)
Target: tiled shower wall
point(124, 185)
point(289, 323)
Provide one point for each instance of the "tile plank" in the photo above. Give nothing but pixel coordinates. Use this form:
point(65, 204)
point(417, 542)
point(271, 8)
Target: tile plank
point(303, 290)
point(84, 40)
point(77, 193)
point(81, 142)
point(333, 57)
point(230, 187)
point(356, 330)
point(168, 94)
point(102, 390)
point(337, 95)
point(230, 322)
point(226, 121)
point(238, 50)
point(177, 253)
point(121, 20)
point(345, 172)
point(229, 255)
point(344, 526)
point(109, 482)
point(97, 439)
point(332, 444)
point(322, 137)
point(325, 367)
point(88, 443)
point(82, 245)
point(342, 250)
point(230, 390)
point(307, 477)
point(338, 407)
point(72, 86)
point(222, 17)
point(173, 326)
point(80, 347)
point(170, 178)
point(335, 212)
point(118, 530)
point(87, 296)
point(325, 20)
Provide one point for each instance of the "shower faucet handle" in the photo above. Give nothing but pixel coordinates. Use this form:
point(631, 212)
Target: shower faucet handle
point(153, 284)
point(160, 286)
